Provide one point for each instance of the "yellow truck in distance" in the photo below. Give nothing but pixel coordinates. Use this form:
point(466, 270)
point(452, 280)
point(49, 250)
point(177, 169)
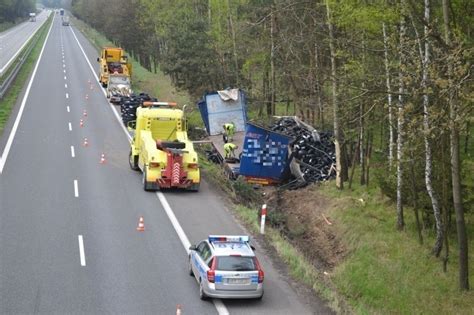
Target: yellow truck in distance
point(160, 148)
point(113, 61)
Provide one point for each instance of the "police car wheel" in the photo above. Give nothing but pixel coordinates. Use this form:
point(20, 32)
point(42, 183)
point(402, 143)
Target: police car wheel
point(190, 268)
point(202, 295)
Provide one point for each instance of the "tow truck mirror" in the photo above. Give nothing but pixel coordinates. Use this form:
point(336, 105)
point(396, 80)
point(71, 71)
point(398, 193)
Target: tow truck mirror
point(131, 125)
point(98, 59)
point(192, 247)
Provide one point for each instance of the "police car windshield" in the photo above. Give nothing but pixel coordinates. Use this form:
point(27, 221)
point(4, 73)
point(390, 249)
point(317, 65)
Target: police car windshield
point(235, 263)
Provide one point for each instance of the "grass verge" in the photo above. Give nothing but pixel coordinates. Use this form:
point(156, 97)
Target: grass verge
point(387, 271)
point(10, 98)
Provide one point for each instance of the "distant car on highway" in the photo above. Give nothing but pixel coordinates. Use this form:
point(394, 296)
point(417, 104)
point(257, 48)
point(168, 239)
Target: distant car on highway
point(65, 20)
point(226, 267)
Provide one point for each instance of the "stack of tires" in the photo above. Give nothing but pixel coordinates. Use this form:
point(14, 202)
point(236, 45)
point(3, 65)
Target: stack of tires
point(128, 106)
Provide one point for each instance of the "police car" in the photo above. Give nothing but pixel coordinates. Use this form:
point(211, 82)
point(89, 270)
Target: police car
point(226, 267)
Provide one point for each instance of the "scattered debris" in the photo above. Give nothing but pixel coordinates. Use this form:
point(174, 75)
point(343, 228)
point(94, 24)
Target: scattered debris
point(312, 156)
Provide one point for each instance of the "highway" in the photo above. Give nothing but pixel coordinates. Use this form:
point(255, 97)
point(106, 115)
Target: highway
point(68, 238)
point(14, 39)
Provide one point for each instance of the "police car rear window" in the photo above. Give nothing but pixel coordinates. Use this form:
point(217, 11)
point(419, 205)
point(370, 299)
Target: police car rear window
point(235, 263)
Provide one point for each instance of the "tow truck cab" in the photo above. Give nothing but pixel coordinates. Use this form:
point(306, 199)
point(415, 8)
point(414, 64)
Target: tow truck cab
point(161, 149)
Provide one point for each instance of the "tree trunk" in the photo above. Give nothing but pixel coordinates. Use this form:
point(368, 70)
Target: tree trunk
point(466, 140)
point(415, 198)
point(391, 141)
point(272, 59)
point(455, 165)
point(401, 125)
point(234, 44)
point(426, 136)
point(337, 130)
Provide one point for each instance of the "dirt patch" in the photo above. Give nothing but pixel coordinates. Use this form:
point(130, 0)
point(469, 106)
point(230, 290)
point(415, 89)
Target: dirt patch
point(304, 216)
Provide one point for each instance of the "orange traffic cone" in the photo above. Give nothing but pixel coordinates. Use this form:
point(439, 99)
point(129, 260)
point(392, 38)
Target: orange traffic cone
point(178, 309)
point(87, 96)
point(85, 143)
point(81, 123)
point(102, 159)
point(141, 225)
point(84, 113)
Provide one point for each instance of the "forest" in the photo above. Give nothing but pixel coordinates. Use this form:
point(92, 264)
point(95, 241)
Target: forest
point(11, 10)
point(390, 78)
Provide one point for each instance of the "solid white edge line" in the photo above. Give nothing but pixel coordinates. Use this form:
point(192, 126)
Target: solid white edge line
point(70, 127)
point(6, 150)
point(81, 250)
point(218, 304)
point(21, 48)
point(174, 221)
point(72, 151)
point(76, 189)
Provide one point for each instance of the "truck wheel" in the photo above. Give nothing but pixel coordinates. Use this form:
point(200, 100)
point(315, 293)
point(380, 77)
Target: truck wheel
point(133, 161)
point(194, 187)
point(147, 186)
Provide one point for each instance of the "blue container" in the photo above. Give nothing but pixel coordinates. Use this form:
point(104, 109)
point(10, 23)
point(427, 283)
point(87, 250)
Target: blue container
point(216, 112)
point(265, 154)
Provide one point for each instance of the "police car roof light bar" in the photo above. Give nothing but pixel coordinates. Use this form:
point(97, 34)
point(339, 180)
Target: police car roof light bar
point(229, 238)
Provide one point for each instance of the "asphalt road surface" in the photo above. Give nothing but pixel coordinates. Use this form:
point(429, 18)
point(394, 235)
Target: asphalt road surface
point(14, 39)
point(68, 238)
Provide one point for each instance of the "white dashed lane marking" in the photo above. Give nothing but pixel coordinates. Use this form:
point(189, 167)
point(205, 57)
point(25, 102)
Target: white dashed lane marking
point(76, 189)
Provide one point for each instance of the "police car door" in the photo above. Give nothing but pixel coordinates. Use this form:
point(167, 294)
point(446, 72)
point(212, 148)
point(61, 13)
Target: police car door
point(200, 257)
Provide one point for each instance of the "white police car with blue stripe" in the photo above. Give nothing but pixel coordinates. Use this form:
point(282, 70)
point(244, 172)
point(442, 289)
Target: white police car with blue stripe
point(226, 267)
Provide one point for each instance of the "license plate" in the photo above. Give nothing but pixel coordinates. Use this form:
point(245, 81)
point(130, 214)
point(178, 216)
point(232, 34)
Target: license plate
point(238, 281)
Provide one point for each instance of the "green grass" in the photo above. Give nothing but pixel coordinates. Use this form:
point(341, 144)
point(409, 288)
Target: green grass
point(5, 26)
point(388, 271)
point(10, 98)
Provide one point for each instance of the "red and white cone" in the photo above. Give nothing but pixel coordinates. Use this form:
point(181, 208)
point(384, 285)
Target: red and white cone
point(81, 123)
point(84, 113)
point(87, 96)
point(178, 309)
point(141, 225)
point(102, 159)
point(85, 143)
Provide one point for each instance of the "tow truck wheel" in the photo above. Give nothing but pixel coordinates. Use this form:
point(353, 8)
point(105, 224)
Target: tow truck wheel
point(194, 187)
point(146, 185)
point(133, 161)
point(202, 294)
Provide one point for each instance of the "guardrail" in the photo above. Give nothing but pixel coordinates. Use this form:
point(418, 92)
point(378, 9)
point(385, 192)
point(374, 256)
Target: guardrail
point(10, 77)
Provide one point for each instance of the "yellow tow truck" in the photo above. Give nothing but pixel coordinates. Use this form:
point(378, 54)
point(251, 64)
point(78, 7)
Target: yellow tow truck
point(113, 62)
point(161, 150)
